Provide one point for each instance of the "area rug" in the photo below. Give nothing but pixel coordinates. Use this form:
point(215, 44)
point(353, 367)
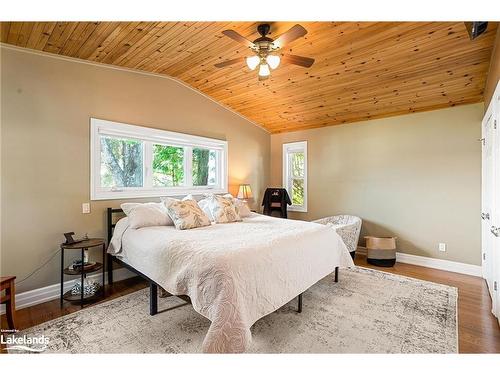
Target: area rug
point(367, 311)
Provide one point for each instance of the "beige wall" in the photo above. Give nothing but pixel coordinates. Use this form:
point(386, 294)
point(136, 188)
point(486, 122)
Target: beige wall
point(416, 177)
point(46, 105)
point(494, 71)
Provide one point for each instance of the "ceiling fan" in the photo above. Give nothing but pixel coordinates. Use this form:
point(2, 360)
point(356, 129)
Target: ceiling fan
point(266, 50)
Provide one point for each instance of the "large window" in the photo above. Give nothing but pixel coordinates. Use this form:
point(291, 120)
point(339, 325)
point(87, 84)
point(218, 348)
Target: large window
point(130, 161)
point(295, 174)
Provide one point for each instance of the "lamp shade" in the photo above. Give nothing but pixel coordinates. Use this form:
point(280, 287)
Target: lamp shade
point(273, 61)
point(245, 192)
point(264, 70)
point(253, 61)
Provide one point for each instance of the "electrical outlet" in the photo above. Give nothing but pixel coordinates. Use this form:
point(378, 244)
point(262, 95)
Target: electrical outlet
point(442, 246)
point(85, 208)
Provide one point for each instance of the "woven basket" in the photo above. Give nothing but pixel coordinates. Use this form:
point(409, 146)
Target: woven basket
point(381, 251)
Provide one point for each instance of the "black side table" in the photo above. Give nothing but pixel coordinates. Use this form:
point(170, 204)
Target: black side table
point(83, 246)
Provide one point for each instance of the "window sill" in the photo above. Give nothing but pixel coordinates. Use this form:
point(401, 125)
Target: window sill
point(297, 209)
point(110, 195)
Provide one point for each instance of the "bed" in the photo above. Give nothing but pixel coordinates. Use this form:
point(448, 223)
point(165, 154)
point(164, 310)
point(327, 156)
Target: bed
point(233, 274)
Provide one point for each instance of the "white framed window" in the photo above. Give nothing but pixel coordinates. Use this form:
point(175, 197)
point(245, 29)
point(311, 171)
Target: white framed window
point(295, 174)
point(129, 161)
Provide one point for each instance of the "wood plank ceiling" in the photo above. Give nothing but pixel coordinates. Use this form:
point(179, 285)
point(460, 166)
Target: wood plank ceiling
point(363, 70)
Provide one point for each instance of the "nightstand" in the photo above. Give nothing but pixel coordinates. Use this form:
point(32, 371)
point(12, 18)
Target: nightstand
point(83, 271)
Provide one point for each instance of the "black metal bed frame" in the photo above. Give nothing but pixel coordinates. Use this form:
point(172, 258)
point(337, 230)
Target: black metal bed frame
point(153, 286)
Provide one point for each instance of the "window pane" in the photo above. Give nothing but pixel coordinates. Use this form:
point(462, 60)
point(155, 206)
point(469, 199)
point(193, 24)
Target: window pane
point(121, 162)
point(204, 167)
point(168, 165)
point(297, 192)
point(298, 164)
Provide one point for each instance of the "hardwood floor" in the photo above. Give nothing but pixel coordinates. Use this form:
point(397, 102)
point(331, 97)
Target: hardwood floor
point(478, 330)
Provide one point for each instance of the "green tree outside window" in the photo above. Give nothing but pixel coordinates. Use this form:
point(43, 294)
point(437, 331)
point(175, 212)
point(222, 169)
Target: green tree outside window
point(168, 165)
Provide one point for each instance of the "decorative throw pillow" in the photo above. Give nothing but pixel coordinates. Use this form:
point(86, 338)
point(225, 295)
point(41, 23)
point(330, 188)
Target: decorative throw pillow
point(186, 214)
point(167, 200)
point(222, 209)
point(241, 206)
point(142, 215)
point(205, 206)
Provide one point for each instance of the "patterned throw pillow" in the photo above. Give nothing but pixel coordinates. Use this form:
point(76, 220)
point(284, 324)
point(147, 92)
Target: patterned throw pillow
point(223, 209)
point(241, 206)
point(186, 214)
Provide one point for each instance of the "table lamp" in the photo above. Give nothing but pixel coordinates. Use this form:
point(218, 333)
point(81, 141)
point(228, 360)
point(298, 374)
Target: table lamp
point(245, 192)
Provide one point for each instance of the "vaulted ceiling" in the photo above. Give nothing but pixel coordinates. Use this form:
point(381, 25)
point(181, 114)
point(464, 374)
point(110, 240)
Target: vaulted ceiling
point(363, 70)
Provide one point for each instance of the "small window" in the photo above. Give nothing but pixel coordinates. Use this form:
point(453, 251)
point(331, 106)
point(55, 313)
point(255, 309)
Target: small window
point(168, 166)
point(121, 162)
point(131, 161)
point(204, 167)
point(295, 174)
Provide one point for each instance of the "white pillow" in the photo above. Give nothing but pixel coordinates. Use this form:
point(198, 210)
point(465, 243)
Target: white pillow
point(205, 206)
point(241, 206)
point(185, 213)
point(222, 209)
point(150, 214)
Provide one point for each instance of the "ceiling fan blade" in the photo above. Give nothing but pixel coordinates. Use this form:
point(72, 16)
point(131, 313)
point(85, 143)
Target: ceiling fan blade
point(239, 38)
point(229, 62)
point(294, 33)
point(306, 62)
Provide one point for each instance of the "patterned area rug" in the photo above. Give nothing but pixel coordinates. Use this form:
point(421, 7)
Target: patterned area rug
point(366, 312)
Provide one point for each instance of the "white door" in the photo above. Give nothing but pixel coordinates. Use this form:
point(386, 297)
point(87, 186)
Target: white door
point(495, 201)
point(490, 200)
point(487, 198)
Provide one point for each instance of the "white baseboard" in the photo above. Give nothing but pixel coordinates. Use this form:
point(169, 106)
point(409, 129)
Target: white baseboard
point(440, 264)
point(50, 292)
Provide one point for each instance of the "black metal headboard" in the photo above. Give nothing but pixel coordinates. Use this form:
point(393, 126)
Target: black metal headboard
point(110, 222)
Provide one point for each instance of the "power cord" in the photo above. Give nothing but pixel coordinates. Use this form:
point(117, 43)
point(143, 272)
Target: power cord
point(39, 268)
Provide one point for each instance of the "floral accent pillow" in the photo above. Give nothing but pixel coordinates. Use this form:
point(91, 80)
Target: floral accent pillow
point(222, 209)
point(186, 214)
point(241, 206)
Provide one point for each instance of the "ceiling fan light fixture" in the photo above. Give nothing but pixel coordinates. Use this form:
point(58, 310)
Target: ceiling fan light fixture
point(273, 61)
point(253, 61)
point(264, 70)
point(267, 52)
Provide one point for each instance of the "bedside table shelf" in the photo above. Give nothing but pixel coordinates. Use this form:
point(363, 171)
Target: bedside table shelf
point(86, 298)
point(94, 268)
point(82, 247)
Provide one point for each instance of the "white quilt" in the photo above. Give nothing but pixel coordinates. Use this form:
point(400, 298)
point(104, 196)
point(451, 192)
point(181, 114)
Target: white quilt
point(234, 273)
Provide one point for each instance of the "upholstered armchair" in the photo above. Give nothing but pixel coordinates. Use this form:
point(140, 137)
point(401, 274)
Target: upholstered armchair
point(347, 226)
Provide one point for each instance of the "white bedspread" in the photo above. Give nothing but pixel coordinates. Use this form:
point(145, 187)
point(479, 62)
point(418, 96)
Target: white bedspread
point(234, 273)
